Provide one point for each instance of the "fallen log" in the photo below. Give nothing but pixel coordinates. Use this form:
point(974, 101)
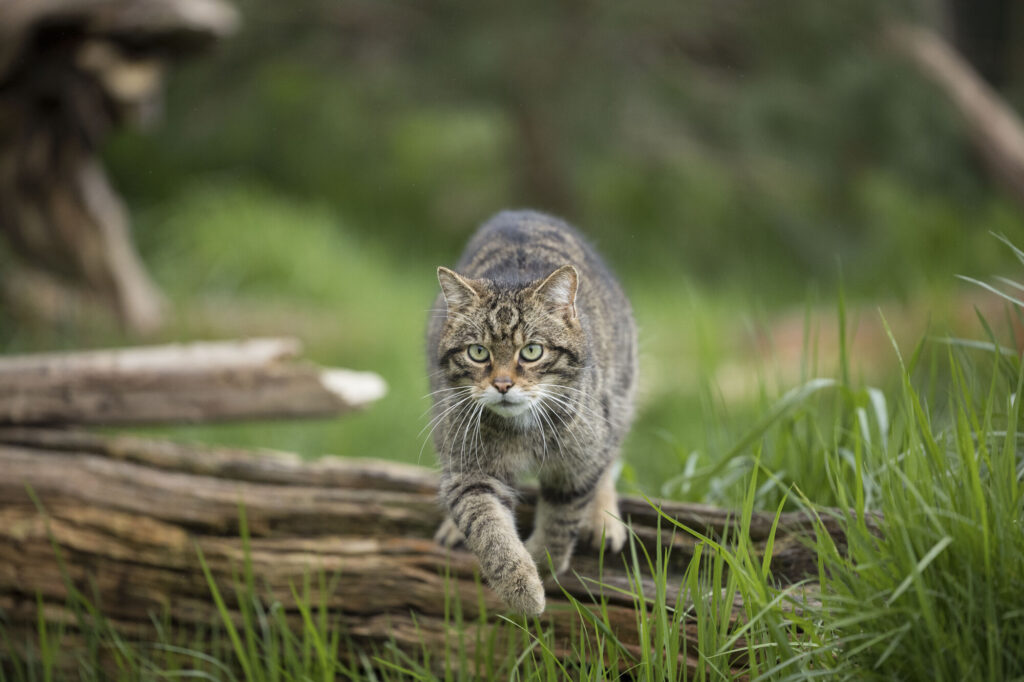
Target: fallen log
point(197, 382)
point(128, 517)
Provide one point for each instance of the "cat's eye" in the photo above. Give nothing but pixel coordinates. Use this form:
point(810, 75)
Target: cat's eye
point(478, 353)
point(531, 352)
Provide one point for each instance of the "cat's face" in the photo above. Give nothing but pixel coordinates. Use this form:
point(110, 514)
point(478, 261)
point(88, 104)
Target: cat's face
point(511, 348)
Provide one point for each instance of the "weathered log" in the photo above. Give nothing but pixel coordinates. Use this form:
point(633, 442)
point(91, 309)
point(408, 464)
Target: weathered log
point(197, 382)
point(996, 129)
point(70, 72)
point(128, 516)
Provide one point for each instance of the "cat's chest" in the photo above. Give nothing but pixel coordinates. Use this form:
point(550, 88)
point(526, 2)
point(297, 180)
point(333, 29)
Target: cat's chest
point(516, 443)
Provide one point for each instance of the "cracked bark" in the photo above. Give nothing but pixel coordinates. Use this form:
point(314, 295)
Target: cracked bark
point(129, 515)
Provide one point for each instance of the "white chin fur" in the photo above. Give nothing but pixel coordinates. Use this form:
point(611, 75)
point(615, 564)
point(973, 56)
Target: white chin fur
point(513, 404)
point(509, 411)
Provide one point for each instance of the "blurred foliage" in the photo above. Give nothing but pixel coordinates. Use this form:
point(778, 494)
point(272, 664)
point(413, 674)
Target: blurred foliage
point(727, 157)
point(744, 143)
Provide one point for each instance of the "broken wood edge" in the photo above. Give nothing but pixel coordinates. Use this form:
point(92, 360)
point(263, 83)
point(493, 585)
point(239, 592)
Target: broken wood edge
point(353, 388)
point(259, 378)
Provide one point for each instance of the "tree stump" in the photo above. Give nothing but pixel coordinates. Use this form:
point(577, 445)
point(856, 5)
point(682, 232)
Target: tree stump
point(71, 72)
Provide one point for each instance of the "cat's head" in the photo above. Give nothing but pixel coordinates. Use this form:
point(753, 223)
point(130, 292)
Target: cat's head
point(511, 346)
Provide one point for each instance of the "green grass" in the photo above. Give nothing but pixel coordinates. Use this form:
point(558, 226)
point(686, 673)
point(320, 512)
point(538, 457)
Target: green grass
point(928, 460)
point(930, 587)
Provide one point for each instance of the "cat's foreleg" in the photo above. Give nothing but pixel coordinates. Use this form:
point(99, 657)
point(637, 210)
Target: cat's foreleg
point(481, 508)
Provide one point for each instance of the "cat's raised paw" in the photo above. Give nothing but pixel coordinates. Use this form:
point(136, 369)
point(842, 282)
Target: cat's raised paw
point(448, 534)
point(524, 593)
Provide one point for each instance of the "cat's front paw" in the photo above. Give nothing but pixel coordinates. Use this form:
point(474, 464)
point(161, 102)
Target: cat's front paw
point(523, 590)
point(448, 534)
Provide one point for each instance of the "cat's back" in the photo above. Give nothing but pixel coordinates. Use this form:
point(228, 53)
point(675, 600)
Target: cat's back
point(515, 248)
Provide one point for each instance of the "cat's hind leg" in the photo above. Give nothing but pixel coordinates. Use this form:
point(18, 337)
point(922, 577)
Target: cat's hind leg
point(562, 506)
point(448, 534)
point(572, 507)
point(602, 519)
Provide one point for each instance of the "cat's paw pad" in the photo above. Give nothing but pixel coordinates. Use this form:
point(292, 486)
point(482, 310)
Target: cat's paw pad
point(448, 534)
point(610, 529)
point(523, 591)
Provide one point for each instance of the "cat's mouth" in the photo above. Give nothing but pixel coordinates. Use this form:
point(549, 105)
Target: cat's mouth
point(506, 408)
point(510, 404)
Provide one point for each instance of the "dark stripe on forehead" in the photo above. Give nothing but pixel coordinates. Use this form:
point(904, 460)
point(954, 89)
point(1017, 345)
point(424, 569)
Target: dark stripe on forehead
point(503, 319)
point(506, 315)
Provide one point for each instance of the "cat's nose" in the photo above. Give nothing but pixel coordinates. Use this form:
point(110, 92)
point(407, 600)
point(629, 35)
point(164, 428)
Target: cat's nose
point(502, 384)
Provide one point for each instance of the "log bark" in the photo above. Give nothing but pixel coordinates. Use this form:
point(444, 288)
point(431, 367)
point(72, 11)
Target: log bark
point(993, 125)
point(128, 516)
point(198, 382)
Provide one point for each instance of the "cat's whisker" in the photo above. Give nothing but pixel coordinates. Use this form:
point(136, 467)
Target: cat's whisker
point(479, 439)
point(426, 438)
point(448, 409)
point(447, 390)
point(543, 439)
point(465, 430)
point(473, 426)
point(570, 431)
point(464, 405)
point(554, 432)
point(574, 400)
point(437, 421)
point(573, 409)
point(434, 405)
point(463, 418)
point(570, 402)
point(449, 431)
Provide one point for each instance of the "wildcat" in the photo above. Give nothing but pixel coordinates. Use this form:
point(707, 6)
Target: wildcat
point(532, 358)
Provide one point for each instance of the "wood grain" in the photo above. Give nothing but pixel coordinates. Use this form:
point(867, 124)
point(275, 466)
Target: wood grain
point(198, 382)
point(129, 516)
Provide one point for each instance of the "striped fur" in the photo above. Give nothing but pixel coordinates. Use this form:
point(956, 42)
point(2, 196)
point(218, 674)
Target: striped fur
point(527, 278)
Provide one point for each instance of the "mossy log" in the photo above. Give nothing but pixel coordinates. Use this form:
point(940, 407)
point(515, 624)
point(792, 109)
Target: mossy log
point(124, 519)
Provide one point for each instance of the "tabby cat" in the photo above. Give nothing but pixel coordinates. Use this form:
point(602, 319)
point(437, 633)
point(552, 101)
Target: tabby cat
point(532, 358)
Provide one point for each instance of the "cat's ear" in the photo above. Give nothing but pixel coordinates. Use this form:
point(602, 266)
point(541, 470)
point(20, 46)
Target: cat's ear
point(458, 291)
point(558, 290)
